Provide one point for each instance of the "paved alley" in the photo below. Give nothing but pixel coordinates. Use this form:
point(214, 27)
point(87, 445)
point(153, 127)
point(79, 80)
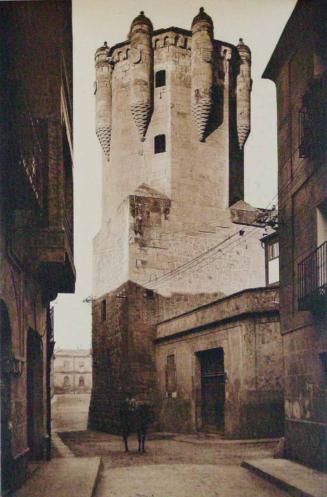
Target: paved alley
point(70, 412)
point(173, 465)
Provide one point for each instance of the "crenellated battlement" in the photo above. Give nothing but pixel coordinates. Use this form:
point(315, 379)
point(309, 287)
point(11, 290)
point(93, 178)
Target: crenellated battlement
point(170, 37)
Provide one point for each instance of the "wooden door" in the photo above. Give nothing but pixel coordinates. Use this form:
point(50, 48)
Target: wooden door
point(212, 389)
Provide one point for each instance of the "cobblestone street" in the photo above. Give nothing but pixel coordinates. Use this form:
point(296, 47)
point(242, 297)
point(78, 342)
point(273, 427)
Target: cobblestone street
point(173, 466)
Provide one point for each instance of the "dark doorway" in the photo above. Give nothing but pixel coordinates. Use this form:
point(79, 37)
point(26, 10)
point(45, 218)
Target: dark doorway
point(34, 394)
point(212, 389)
point(5, 385)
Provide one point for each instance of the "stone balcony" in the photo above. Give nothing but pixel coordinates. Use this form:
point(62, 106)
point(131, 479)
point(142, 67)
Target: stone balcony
point(48, 253)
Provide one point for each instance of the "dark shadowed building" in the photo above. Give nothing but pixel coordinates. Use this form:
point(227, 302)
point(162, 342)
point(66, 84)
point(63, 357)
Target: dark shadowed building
point(36, 237)
point(298, 68)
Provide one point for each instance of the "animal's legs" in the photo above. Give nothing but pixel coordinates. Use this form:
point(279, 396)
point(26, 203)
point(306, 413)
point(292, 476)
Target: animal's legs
point(139, 438)
point(125, 437)
point(143, 440)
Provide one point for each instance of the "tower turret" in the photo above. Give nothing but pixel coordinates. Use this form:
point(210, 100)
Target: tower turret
point(243, 94)
point(202, 70)
point(103, 97)
point(141, 55)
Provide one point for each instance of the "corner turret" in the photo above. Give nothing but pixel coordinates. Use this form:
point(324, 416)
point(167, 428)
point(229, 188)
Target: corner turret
point(103, 96)
point(141, 55)
point(202, 71)
point(243, 93)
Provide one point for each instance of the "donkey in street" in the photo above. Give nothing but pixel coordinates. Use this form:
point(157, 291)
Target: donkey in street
point(135, 416)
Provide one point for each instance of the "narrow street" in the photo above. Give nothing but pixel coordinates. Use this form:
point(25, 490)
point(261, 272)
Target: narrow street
point(173, 465)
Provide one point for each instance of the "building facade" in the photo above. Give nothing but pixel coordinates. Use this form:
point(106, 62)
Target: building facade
point(298, 68)
point(36, 235)
point(172, 117)
point(72, 371)
point(219, 367)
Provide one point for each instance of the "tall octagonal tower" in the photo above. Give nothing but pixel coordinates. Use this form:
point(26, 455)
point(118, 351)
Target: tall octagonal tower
point(172, 118)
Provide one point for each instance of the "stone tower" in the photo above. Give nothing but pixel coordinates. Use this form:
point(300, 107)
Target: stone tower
point(172, 118)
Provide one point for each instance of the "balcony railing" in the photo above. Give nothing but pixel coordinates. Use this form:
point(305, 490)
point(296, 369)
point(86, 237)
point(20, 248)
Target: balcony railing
point(312, 281)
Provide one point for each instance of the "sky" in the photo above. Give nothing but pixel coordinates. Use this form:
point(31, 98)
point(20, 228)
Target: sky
point(258, 22)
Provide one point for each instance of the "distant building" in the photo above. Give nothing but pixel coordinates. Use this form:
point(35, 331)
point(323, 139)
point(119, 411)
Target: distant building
point(298, 67)
point(72, 371)
point(36, 204)
point(172, 118)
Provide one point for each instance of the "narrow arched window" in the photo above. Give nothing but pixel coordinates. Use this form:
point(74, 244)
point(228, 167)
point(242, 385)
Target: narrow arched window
point(159, 144)
point(160, 78)
point(103, 310)
point(81, 381)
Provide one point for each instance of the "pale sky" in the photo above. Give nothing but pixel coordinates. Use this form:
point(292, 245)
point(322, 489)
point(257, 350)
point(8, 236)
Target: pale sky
point(258, 22)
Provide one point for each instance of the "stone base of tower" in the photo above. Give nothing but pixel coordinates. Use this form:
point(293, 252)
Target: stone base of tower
point(124, 325)
point(123, 353)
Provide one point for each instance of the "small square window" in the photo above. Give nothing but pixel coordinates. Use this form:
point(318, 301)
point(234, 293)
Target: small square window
point(159, 144)
point(160, 79)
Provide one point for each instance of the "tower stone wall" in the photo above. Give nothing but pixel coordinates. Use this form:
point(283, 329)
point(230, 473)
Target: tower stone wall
point(200, 173)
point(163, 208)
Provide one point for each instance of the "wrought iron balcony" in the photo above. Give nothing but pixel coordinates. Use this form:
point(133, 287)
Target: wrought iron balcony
point(312, 281)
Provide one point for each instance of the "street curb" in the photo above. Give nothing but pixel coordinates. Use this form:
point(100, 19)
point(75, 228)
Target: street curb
point(62, 478)
point(282, 484)
point(62, 449)
point(97, 478)
point(177, 438)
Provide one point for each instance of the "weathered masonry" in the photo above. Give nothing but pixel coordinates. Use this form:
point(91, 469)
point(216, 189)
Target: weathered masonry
point(227, 354)
point(172, 118)
point(36, 237)
point(298, 66)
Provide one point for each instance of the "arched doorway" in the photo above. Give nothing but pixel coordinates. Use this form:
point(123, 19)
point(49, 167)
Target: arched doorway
point(34, 394)
point(5, 385)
